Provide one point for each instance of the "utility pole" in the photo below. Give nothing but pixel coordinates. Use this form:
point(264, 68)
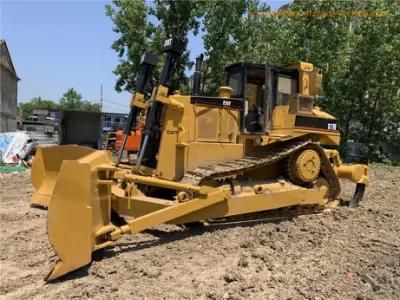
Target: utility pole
point(101, 98)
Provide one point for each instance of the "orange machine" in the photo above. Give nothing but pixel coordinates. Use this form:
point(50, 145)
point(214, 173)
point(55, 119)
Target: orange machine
point(133, 142)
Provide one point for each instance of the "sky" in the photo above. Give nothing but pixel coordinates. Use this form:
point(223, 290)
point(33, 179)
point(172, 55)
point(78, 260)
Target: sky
point(56, 45)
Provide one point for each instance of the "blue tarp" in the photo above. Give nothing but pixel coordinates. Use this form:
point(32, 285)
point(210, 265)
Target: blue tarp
point(5, 140)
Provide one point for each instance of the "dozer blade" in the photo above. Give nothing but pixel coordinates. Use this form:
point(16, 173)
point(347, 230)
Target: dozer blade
point(78, 219)
point(46, 166)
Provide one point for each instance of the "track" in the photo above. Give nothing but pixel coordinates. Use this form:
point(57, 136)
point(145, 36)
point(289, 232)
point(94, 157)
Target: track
point(274, 154)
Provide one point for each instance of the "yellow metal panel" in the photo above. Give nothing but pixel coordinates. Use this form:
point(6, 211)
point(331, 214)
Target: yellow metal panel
point(329, 138)
point(315, 81)
point(321, 114)
point(136, 206)
point(45, 168)
point(229, 129)
point(138, 100)
point(175, 135)
point(207, 124)
point(304, 84)
point(281, 117)
point(305, 70)
point(201, 154)
point(216, 124)
point(305, 66)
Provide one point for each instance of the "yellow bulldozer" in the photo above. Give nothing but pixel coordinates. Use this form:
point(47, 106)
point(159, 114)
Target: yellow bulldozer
point(260, 146)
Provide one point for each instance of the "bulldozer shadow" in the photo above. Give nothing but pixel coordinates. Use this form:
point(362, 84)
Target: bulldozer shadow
point(40, 207)
point(165, 237)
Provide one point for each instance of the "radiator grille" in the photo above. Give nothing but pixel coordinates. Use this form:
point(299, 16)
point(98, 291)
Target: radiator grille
point(207, 125)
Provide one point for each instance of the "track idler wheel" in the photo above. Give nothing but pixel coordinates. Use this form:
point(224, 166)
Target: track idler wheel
point(304, 166)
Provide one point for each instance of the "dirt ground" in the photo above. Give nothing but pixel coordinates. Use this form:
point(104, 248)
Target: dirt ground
point(344, 254)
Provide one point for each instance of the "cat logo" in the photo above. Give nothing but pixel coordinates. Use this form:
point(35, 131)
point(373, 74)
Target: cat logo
point(226, 103)
point(172, 131)
point(168, 43)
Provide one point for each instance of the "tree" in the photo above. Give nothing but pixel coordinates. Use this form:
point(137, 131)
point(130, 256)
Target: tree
point(144, 28)
point(373, 81)
point(88, 106)
point(178, 18)
point(219, 40)
point(71, 99)
point(136, 33)
point(36, 103)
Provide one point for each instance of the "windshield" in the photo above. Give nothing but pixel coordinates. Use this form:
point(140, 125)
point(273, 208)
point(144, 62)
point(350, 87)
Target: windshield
point(235, 82)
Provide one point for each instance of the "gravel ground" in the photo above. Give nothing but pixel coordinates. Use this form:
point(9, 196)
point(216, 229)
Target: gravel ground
point(344, 254)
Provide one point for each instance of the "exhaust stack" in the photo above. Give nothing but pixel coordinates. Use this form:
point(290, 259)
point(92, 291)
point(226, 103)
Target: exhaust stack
point(197, 76)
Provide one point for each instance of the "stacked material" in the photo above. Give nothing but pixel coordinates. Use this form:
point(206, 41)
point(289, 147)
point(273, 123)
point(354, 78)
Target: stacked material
point(15, 146)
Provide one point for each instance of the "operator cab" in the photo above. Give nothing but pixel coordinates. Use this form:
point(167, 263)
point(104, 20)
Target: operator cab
point(262, 87)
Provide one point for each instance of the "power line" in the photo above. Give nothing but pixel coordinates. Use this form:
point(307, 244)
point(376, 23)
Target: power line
point(115, 103)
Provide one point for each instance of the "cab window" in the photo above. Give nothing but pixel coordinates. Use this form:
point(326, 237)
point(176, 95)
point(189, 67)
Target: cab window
point(235, 82)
